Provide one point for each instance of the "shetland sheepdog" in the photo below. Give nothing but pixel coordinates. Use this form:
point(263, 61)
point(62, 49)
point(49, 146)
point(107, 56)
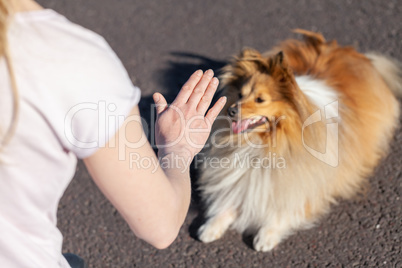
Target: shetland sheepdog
point(304, 126)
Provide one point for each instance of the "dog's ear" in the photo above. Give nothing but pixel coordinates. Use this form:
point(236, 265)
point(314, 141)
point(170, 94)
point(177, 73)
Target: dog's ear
point(279, 67)
point(250, 61)
point(249, 53)
point(279, 60)
point(283, 74)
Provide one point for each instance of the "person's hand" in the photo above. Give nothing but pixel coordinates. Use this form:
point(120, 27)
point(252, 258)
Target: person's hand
point(184, 126)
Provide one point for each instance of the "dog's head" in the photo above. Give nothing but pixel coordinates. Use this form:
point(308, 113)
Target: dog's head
point(262, 93)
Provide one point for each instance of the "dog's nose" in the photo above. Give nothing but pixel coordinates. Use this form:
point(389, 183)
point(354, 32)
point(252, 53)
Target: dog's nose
point(232, 111)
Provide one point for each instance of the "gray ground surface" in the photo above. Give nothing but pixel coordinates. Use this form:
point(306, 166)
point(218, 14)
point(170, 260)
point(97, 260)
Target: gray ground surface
point(161, 43)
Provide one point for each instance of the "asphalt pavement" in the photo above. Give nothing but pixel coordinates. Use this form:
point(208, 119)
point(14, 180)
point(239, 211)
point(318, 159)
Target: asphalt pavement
point(161, 43)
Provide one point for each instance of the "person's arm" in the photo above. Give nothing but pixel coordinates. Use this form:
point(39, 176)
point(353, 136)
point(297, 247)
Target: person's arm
point(153, 197)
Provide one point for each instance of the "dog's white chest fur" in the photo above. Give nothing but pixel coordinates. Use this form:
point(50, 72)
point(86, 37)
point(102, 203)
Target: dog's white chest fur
point(319, 93)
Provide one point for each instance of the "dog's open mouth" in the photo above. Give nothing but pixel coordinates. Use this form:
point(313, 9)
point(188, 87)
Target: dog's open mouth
point(248, 124)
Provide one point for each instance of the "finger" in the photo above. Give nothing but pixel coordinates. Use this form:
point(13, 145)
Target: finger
point(199, 90)
point(160, 103)
point(208, 95)
point(188, 88)
point(216, 109)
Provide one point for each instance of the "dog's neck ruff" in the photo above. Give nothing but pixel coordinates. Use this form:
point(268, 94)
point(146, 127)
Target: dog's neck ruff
point(317, 91)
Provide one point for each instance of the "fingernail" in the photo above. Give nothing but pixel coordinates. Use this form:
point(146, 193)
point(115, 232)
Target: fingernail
point(223, 99)
point(215, 81)
point(156, 97)
point(209, 72)
point(198, 73)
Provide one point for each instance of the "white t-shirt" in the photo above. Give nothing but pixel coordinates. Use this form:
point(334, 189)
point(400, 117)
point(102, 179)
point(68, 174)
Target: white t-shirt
point(73, 89)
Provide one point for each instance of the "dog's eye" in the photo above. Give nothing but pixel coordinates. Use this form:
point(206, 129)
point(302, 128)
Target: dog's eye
point(259, 100)
point(240, 95)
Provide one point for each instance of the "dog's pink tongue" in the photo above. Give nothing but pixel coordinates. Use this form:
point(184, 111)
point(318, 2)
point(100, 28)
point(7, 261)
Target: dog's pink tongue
point(240, 126)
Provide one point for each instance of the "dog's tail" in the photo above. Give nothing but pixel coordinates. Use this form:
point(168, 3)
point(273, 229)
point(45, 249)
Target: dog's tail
point(390, 70)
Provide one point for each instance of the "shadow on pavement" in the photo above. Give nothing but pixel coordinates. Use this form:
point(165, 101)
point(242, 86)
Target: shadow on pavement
point(181, 66)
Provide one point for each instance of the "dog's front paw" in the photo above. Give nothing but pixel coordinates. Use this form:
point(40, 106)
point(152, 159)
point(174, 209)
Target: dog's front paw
point(216, 226)
point(208, 233)
point(266, 240)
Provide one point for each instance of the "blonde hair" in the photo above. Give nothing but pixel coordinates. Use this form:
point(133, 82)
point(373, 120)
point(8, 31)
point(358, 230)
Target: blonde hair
point(5, 11)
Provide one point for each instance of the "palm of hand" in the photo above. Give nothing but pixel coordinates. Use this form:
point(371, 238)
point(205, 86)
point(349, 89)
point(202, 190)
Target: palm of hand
point(183, 126)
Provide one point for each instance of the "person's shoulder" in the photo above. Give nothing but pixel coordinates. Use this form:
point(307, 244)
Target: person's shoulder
point(70, 74)
point(66, 50)
point(47, 30)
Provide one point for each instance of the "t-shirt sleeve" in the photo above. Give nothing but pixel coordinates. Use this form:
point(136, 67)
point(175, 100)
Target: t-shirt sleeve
point(97, 105)
point(75, 80)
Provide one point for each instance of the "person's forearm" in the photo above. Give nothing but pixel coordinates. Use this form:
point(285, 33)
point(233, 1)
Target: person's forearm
point(158, 217)
point(176, 167)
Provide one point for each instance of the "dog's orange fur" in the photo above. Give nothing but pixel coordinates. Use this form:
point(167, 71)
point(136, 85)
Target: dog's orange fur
point(299, 194)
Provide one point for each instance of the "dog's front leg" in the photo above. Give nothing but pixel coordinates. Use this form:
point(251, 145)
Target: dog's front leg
point(270, 235)
point(216, 226)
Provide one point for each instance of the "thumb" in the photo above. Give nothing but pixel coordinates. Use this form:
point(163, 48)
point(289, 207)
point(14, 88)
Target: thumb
point(160, 103)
